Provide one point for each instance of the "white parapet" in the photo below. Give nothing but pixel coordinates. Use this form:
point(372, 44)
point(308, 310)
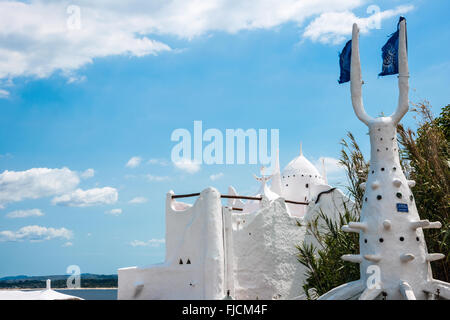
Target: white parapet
point(195, 262)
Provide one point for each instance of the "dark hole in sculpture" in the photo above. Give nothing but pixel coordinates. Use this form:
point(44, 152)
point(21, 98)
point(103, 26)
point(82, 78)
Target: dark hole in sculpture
point(399, 195)
point(307, 185)
point(379, 197)
point(382, 169)
point(417, 238)
point(381, 239)
point(402, 238)
point(365, 240)
point(180, 262)
point(188, 261)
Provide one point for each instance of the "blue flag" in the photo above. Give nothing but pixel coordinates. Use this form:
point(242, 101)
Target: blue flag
point(344, 62)
point(389, 53)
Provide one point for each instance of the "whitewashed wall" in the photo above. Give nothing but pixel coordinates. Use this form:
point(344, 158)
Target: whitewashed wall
point(194, 234)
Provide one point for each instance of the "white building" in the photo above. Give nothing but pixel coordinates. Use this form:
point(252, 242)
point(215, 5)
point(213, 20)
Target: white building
point(242, 249)
point(46, 294)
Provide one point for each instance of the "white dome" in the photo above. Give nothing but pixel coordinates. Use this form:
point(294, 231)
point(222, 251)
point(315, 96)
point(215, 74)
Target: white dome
point(299, 179)
point(301, 166)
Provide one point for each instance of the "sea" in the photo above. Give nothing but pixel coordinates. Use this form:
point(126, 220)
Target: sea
point(91, 294)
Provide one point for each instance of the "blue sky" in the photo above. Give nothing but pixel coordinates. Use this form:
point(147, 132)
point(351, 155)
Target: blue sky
point(120, 87)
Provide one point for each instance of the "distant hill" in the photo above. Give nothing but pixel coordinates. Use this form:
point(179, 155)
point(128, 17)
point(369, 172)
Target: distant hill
point(88, 280)
point(14, 277)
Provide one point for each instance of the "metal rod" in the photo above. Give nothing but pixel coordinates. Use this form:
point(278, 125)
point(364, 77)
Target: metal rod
point(296, 202)
point(228, 196)
point(185, 195)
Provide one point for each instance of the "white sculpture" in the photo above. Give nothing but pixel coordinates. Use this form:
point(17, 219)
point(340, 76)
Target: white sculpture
point(394, 262)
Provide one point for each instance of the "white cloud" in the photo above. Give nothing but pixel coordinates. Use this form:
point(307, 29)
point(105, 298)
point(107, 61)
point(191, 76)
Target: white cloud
point(156, 178)
point(114, 212)
point(4, 94)
point(187, 165)
point(88, 173)
point(25, 213)
point(87, 198)
point(35, 233)
point(160, 162)
point(332, 165)
point(148, 243)
point(138, 200)
point(6, 155)
point(35, 38)
point(335, 172)
point(336, 27)
point(134, 162)
point(76, 79)
point(35, 183)
point(67, 244)
point(217, 176)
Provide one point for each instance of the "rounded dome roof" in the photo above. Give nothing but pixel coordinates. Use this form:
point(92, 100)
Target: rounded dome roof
point(301, 165)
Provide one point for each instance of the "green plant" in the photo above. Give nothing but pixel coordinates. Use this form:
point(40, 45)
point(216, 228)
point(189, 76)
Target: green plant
point(426, 155)
point(325, 268)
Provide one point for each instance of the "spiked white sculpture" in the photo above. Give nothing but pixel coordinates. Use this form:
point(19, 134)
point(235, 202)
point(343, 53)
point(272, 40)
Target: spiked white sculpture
point(394, 262)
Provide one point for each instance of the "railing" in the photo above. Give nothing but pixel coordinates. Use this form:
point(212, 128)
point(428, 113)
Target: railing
point(229, 196)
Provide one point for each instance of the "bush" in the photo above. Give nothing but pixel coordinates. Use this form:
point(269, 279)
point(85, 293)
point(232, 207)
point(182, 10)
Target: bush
point(325, 268)
point(426, 158)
